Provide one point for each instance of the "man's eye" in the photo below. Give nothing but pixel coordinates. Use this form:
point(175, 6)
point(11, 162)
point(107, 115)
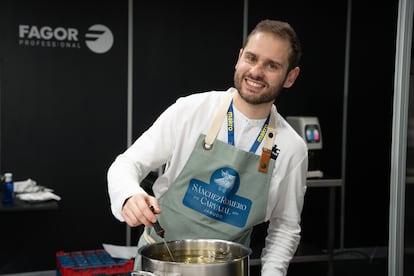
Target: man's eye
point(272, 66)
point(250, 58)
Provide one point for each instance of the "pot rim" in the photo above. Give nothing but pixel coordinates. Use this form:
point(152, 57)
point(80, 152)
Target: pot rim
point(231, 243)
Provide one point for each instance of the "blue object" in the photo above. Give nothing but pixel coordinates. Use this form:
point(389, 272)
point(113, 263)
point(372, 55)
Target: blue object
point(8, 189)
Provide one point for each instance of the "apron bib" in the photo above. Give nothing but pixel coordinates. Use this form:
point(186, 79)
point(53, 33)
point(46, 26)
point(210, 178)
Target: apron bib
point(221, 193)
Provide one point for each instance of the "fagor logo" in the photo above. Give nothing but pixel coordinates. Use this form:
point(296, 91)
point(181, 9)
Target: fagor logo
point(99, 39)
point(46, 36)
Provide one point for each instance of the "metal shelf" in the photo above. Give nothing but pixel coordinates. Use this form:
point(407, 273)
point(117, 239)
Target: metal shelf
point(324, 182)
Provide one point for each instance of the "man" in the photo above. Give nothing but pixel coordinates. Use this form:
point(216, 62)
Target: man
point(232, 161)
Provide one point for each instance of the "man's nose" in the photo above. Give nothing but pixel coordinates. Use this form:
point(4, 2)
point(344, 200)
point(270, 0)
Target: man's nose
point(257, 70)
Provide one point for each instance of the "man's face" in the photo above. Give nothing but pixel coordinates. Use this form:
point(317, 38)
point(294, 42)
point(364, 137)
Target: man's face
point(262, 68)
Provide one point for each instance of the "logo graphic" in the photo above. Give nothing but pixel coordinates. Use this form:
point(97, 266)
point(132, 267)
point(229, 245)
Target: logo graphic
point(99, 39)
point(218, 199)
point(47, 36)
point(226, 182)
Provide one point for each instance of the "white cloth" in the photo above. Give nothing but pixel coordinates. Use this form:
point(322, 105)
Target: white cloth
point(28, 190)
point(38, 196)
point(170, 140)
point(27, 186)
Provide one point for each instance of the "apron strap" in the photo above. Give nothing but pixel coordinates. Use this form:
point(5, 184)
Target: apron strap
point(268, 144)
point(271, 133)
point(147, 236)
point(215, 127)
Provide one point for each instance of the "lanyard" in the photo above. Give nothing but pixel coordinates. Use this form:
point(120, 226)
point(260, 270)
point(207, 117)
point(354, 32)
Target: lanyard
point(230, 130)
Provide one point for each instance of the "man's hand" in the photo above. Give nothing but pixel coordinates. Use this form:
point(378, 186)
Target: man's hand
point(136, 210)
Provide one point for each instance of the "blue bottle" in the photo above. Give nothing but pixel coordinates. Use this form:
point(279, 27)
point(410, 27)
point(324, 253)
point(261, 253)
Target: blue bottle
point(8, 189)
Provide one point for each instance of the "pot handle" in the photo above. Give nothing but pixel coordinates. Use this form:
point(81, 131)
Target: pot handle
point(142, 273)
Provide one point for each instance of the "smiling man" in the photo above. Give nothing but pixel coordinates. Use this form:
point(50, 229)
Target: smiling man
point(232, 161)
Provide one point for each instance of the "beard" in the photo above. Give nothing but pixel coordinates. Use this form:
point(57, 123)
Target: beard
point(267, 96)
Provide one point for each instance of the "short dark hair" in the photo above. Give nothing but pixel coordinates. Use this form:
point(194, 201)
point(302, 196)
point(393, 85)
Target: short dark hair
point(283, 30)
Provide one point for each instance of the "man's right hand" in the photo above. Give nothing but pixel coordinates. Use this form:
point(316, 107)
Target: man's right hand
point(136, 210)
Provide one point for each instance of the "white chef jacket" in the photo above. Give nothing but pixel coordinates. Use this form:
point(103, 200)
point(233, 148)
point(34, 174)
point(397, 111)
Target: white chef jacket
point(170, 140)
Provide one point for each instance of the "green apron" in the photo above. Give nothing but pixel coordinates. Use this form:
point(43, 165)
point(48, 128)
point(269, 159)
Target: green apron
point(219, 194)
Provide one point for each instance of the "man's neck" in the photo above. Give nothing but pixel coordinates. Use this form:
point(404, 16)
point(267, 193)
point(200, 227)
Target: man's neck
point(251, 111)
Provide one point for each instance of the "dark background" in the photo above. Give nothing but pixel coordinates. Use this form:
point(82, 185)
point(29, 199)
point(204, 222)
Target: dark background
point(64, 111)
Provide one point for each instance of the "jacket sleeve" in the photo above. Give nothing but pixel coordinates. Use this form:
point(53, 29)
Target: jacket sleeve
point(283, 233)
point(149, 152)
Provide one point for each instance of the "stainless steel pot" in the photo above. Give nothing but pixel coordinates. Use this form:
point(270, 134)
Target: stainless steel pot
point(201, 257)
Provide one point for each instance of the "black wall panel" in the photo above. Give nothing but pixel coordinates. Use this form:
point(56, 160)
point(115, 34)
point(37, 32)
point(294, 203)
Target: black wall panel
point(370, 123)
point(63, 120)
point(182, 47)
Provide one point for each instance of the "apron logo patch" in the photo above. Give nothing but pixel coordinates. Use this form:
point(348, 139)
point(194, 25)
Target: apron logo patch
point(218, 199)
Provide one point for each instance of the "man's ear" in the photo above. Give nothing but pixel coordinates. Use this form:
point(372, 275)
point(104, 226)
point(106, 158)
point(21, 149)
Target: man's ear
point(240, 54)
point(291, 77)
